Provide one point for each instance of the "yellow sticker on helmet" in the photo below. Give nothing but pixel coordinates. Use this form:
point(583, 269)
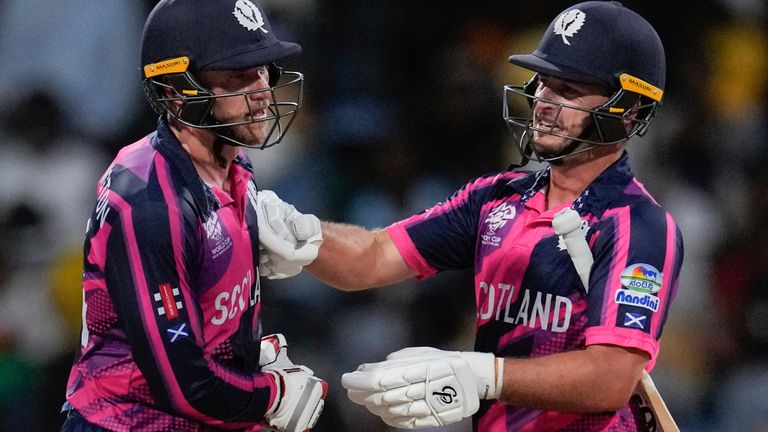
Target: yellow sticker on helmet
point(174, 65)
point(636, 85)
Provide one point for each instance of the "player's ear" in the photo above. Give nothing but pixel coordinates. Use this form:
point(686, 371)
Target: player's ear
point(631, 116)
point(174, 102)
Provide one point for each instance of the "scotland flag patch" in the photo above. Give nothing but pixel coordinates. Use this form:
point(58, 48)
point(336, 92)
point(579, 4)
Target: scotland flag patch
point(177, 332)
point(634, 320)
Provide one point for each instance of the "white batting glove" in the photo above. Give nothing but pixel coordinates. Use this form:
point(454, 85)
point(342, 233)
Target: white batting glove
point(423, 387)
point(288, 239)
point(274, 267)
point(301, 395)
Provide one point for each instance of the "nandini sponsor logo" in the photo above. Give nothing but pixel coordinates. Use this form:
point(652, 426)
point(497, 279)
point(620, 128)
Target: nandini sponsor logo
point(642, 277)
point(632, 298)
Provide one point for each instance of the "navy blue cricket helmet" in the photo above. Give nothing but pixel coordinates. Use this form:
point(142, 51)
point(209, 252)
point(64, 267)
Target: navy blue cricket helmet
point(184, 37)
point(605, 44)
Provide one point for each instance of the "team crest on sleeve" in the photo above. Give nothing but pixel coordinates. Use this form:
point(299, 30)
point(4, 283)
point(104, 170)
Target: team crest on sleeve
point(170, 301)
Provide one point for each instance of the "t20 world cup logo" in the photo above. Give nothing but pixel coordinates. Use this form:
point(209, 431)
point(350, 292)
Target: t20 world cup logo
point(499, 216)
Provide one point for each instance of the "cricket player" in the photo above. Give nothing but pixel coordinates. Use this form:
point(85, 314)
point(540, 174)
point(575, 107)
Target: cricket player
point(171, 337)
point(550, 353)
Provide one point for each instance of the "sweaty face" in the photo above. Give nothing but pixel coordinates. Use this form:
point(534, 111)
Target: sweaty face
point(248, 105)
point(553, 115)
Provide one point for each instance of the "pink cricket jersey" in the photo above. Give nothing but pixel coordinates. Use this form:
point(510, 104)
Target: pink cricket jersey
point(172, 300)
point(530, 301)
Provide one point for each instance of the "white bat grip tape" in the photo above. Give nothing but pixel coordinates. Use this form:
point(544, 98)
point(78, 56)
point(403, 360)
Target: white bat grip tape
point(567, 224)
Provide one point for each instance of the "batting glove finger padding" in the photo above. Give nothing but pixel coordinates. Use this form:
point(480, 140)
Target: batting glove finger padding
point(289, 239)
point(301, 395)
point(274, 352)
point(275, 268)
point(488, 369)
point(416, 392)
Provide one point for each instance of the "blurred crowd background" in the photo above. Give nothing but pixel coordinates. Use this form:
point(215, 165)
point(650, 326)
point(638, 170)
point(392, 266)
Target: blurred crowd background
point(403, 106)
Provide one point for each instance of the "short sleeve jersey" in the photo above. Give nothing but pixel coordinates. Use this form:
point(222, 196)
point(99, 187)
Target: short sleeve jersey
point(529, 298)
point(171, 297)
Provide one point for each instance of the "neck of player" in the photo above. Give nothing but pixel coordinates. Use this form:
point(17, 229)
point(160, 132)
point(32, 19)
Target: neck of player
point(202, 148)
point(573, 174)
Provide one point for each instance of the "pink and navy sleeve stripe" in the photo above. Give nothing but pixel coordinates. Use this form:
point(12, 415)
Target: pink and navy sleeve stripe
point(638, 255)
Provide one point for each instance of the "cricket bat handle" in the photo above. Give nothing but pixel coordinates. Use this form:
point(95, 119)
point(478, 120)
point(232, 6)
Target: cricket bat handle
point(647, 390)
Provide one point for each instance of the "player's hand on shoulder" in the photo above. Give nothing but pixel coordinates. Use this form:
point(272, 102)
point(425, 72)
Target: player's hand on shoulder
point(424, 387)
point(288, 239)
point(301, 395)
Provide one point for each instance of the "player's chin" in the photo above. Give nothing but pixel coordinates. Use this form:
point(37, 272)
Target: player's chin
point(548, 144)
point(253, 134)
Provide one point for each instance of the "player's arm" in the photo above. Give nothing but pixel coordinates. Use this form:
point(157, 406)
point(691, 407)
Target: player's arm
point(353, 258)
point(344, 256)
point(598, 378)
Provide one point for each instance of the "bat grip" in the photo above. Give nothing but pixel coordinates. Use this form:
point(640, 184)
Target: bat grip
point(580, 254)
point(567, 224)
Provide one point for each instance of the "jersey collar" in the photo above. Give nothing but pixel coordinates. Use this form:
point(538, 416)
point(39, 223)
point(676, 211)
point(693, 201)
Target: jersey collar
point(170, 148)
point(595, 199)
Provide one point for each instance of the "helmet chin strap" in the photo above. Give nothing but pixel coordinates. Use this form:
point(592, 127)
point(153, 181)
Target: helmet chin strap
point(218, 146)
point(223, 137)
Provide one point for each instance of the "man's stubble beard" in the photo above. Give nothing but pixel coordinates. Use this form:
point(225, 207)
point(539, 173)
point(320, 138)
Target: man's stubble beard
point(252, 134)
point(550, 150)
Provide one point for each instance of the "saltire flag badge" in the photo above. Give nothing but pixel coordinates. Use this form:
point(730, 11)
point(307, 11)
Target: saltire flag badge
point(169, 304)
point(177, 332)
point(634, 320)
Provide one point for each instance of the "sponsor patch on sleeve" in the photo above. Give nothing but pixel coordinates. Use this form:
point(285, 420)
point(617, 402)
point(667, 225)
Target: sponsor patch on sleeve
point(641, 277)
point(637, 297)
point(170, 301)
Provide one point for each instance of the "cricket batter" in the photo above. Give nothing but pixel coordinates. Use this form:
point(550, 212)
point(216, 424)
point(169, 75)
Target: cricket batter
point(550, 354)
point(171, 337)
